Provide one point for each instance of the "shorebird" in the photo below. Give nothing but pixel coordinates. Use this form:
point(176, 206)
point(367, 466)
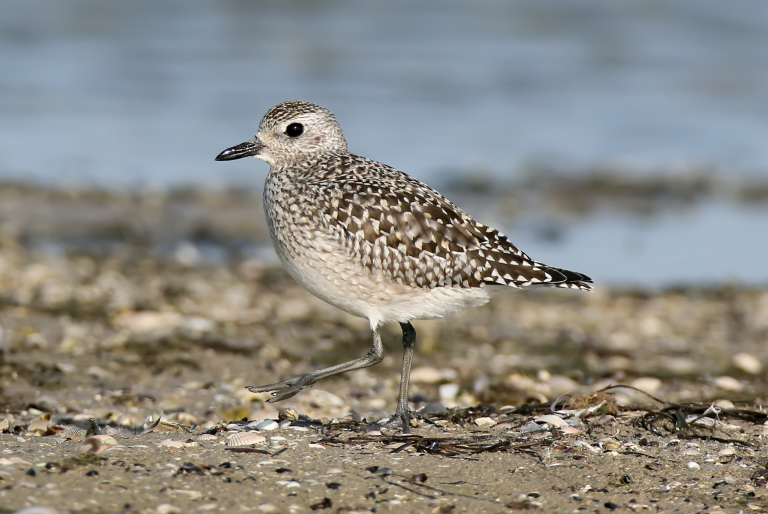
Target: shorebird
point(375, 242)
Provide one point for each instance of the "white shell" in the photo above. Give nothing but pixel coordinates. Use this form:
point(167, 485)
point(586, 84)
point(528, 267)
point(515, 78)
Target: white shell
point(170, 443)
point(245, 439)
point(555, 421)
point(267, 424)
point(206, 437)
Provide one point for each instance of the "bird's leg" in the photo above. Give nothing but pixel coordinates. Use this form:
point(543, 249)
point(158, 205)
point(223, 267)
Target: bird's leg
point(403, 412)
point(291, 386)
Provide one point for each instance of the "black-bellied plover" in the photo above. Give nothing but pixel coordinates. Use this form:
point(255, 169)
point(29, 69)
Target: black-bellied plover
point(375, 242)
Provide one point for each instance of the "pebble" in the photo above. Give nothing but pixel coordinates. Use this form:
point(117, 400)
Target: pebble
point(559, 385)
point(680, 365)
point(520, 382)
point(267, 507)
point(147, 321)
point(232, 427)
point(40, 509)
point(610, 443)
point(191, 495)
point(320, 398)
point(485, 422)
point(431, 375)
point(448, 392)
point(647, 384)
point(532, 427)
point(727, 383)
point(434, 408)
point(747, 363)
point(693, 465)
point(167, 508)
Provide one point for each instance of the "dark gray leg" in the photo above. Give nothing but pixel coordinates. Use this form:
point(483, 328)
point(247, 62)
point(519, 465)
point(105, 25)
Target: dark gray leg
point(403, 413)
point(291, 386)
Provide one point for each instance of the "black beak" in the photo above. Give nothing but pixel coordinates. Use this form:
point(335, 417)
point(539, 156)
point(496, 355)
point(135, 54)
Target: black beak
point(247, 149)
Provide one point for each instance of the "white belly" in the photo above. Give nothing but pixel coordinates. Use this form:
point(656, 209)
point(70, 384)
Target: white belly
point(331, 275)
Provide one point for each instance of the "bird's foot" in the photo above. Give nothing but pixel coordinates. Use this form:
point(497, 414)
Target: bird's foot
point(287, 388)
point(401, 418)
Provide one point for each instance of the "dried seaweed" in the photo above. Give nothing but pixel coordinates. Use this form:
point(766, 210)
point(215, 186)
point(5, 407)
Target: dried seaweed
point(676, 416)
point(448, 446)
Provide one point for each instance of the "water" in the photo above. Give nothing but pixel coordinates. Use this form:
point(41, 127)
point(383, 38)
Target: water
point(126, 94)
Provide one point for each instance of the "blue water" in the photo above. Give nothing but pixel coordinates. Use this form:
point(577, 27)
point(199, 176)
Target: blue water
point(147, 92)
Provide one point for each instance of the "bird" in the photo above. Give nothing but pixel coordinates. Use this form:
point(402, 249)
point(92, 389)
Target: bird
point(375, 242)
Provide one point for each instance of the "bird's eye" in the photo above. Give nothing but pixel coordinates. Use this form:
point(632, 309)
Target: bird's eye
point(294, 130)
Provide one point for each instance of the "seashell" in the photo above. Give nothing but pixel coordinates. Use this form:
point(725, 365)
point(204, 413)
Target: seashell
point(206, 437)
point(40, 425)
point(170, 443)
point(555, 421)
point(245, 439)
point(267, 424)
point(73, 433)
point(97, 444)
point(289, 414)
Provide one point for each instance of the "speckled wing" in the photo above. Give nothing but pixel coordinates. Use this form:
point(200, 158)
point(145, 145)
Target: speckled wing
point(419, 238)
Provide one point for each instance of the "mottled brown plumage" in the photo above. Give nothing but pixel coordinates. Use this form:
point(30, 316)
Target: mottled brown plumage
point(374, 241)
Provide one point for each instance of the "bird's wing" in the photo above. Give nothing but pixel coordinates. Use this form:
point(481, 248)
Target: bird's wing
point(417, 237)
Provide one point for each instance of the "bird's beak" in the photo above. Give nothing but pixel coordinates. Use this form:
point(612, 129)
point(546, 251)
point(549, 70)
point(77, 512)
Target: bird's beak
point(247, 149)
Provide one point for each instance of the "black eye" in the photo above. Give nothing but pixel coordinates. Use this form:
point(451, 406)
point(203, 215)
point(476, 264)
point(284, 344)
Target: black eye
point(294, 129)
